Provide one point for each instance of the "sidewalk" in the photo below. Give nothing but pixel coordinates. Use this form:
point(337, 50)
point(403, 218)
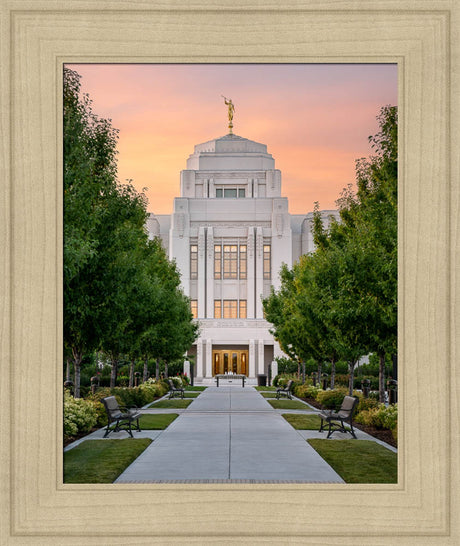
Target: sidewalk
point(229, 434)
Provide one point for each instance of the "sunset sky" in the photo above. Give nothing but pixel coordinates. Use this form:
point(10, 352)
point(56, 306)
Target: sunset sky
point(314, 119)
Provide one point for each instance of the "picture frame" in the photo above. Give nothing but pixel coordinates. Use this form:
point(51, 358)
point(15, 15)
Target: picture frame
point(37, 39)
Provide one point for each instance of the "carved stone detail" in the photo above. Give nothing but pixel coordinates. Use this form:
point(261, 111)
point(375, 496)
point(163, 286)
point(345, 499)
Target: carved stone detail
point(279, 222)
point(180, 223)
point(201, 245)
point(250, 243)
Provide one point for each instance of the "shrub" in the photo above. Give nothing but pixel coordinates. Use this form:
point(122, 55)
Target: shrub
point(366, 404)
point(342, 379)
point(332, 398)
point(381, 417)
point(79, 415)
point(281, 380)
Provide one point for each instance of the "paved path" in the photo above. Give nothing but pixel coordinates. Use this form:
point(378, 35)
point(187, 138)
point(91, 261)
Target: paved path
point(229, 434)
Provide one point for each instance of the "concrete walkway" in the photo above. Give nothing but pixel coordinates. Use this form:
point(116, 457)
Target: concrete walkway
point(229, 434)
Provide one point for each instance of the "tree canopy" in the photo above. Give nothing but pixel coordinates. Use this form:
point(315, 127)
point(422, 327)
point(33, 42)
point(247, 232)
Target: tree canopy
point(121, 293)
point(341, 300)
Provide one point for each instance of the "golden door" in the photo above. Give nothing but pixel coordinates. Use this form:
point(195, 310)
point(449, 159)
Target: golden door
point(230, 361)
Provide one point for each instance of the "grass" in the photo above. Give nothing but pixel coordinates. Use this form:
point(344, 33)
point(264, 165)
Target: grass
point(173, 403)
point(266, 388)
point(359, 461)
point(101, 461)
point(303, 422)
point(268, 394)
point(156, 422)
point(189, 388)
point(287, 404)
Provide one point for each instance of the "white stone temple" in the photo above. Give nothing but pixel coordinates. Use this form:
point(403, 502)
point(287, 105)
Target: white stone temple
point(229, 233)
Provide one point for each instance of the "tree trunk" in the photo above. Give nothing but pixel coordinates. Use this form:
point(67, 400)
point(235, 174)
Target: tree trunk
point(351, 368)
point(77, 358)
point(157, 369)
point(332, 373)
point(113, 373)
point(146, 370)
point(320, 369)
point(166, 370)
point(131, 374)
point(67, 369)
point(382, 377)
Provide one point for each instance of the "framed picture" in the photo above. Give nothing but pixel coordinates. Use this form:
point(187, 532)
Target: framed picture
point(37, 41)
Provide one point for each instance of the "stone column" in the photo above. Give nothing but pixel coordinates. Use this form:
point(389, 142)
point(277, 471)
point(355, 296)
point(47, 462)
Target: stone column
point(274, 369)
point(259, 254)
point(199, 359)
point(252, 358)
point(251, 274)
point(209, 358)
point(210, 274)
point(261, 357)
point(211, 189)
point(201, 273)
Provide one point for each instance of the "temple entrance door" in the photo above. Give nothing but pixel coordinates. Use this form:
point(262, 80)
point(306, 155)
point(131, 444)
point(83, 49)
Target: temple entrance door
point(227, 361)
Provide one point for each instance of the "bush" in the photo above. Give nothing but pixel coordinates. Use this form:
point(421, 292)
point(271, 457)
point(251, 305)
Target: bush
point(381, 417)
point(332, 398)
point(79, 415)
point(342, 379)
point(281, 380)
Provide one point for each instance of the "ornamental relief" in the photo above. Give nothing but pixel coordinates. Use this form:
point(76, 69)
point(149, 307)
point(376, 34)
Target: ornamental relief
point(221, 224)
point(201, 245)
point(180, 224)
point(229, 323)
point(251, 245)
point(243, 175)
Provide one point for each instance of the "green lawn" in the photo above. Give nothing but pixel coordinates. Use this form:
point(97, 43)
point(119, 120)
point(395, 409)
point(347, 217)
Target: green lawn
point(359, 461)
point(303, 422)
point(288, 404)
point(157, 421)
point(268, 394)
point(173, 403)
point(266, 388)
point(101, 461)
point(189, 388)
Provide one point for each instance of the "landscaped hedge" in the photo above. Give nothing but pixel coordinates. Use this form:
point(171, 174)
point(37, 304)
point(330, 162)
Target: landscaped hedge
point(369, 410)
point(79, 415)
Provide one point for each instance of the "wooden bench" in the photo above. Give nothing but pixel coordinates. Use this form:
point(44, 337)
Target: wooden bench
point(337, 419)
point(121, 416)
point(286, 391)
point(173, 390)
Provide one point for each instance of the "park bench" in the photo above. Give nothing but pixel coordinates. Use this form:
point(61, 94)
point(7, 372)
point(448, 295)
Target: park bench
point(286, 391)
point(121, 416)
point(336, 420)
point(173, 390)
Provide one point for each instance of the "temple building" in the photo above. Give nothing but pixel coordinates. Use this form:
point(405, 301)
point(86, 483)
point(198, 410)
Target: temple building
point(230, 232)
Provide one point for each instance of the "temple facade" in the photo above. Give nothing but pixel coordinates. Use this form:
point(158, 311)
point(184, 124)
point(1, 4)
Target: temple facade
point(229, 233)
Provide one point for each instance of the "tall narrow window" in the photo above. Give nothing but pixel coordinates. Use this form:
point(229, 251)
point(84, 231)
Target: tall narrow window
point(194, 308)
point(194, 261)
point(241, 192)
point(267, 262)
point(243, 262)
point(217, 309)
point(243, 309)
point(230, 261)
point(219, 192)
point(217, 261)
point(230, 309)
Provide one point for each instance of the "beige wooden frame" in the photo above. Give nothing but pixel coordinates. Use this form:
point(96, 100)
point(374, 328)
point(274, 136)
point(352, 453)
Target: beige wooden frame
point(37, 37)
